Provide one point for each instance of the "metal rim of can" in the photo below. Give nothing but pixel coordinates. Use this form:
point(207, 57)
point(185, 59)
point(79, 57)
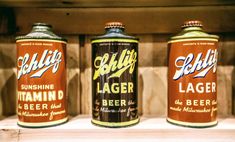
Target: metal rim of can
point(115, 124)
point(193, 39)
point(42, 124)
point(192, 125)
point(115, 40)
point(41, 39)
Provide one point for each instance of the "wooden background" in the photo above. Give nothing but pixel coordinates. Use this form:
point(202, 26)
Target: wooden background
point(153, 22)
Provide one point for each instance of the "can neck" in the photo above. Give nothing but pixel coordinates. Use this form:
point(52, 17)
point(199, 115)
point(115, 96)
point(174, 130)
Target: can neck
point(193, 29)
point(40, 28)
point(114, 30)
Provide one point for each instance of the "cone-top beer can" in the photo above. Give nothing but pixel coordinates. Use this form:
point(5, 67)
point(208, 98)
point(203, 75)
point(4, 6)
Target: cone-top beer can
point(114, 78)
point(41, 78)
point(192, 87)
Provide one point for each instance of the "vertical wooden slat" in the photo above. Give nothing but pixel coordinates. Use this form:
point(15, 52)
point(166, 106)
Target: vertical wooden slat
point(145, 59)
point(154, 90)
point(73, 75)
point(153, 72)
point(227, 76)
point(7, 92)
point(224, 90)
point(85, 50)
point(7, 76)
point(7, 21)
point(227, 49)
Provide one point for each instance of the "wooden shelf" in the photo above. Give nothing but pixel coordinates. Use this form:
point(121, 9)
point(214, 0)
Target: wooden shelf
point(139, 16)
point(162, 20)
point(111, 3)
point(154, 128)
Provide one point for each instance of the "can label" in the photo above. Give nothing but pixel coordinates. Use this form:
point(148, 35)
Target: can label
point(41, 74)
point(114, 81)
point(192, 96)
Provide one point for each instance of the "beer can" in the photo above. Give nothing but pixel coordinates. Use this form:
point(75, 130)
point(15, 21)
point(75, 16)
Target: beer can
point(41, 78)
point(114, 78)
point(192, 85)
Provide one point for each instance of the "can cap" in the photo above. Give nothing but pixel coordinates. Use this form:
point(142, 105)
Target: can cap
point(110, 25)
point(192, 23)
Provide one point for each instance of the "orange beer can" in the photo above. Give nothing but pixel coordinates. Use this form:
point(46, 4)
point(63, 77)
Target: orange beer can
point(192, 85)
point(41, 78)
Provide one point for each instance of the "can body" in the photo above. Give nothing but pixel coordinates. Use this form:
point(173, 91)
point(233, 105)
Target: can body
point(192, 85)
point(114, 82)
point(41, 79)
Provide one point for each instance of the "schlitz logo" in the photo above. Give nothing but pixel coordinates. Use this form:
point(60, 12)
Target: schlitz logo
point(110, 63)
point(49, 59)
point(185, 65)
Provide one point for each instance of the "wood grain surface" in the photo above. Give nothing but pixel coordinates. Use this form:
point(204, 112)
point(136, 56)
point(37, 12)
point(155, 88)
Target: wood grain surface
point(149, 20)
point(151, 128)
point(112, 3)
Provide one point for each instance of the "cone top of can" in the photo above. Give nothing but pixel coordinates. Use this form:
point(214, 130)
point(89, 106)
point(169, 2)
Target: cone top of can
point(192, 23)
point(41, 31)
point(110, 25)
